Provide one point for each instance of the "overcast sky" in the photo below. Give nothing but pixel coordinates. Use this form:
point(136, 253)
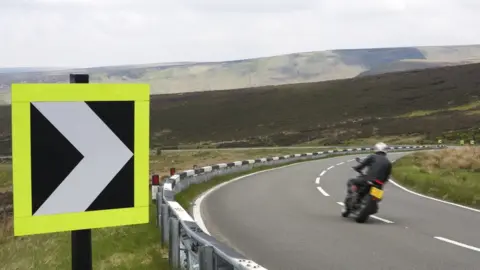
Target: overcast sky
point(83, 33)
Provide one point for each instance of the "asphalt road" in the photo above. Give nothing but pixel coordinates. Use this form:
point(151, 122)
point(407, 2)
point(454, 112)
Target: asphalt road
point(283, 219)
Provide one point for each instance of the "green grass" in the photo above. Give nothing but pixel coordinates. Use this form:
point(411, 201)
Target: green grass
point(450, 174)
point(386, 139)
point(418, 113)
point(126, 247)
point(5, 177)
point(184, 160)
point(466, 107)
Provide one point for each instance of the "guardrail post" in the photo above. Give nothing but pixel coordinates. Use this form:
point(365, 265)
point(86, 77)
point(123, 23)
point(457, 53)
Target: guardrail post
point(205, 258)
point(158, 205)
point(164, 224)
point(174, 243)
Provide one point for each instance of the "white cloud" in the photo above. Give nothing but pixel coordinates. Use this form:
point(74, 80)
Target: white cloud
point(112, 32)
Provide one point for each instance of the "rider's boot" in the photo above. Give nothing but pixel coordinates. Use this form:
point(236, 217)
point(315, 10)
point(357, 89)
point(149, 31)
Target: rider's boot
point(354, 196)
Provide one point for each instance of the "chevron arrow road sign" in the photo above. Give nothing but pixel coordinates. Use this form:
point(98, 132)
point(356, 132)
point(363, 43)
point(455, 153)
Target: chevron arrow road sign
point(80, 156)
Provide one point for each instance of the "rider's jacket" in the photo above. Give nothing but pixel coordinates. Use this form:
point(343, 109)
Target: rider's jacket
point(379, 167)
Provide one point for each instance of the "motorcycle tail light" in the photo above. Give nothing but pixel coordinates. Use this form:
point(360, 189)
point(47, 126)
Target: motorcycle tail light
point(379, 182)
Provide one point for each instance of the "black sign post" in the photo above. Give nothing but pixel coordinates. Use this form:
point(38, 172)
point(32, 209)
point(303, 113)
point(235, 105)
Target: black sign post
point(81, 239)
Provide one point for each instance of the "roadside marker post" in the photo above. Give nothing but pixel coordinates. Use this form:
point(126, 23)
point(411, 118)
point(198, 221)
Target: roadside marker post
point(81, 240)
point(80, 159)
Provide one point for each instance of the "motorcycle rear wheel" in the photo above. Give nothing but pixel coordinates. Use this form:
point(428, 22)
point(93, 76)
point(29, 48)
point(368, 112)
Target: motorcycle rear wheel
point(364, 213)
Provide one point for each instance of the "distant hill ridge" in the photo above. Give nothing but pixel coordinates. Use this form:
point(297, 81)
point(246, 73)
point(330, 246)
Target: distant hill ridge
point(275, 70)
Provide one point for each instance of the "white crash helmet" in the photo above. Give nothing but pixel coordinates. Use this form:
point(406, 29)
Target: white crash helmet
point(380, 147)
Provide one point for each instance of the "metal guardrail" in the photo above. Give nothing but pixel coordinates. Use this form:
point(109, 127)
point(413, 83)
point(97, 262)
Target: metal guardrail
point(5, 159)
point(191, 248)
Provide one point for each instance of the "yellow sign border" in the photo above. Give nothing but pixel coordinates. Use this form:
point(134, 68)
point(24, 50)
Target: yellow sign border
point(22, 94)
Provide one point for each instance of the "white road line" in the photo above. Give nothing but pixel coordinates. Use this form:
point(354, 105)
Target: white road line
point(329, 168)
point(340, 163)
point(323, 172)
point(350, 160)
point(382, 219)
point(457, 243)
point(317, 181)
point(323, 191)
point(373, 216)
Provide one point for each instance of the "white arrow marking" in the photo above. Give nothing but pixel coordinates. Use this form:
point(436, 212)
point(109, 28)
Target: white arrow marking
point(104, 156)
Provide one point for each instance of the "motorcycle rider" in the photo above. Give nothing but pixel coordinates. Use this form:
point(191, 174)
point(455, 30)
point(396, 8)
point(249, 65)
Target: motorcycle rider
point(379, 168)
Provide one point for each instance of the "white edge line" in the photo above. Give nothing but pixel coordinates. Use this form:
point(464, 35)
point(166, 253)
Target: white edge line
point(373, 216)
point(323, 191)
point(457, 243)
point(382, 219)
point(323, 172)
point(197, 214)
point(317, 180)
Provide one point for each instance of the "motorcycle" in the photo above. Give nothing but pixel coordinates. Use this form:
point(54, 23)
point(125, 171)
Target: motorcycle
point(368, 205)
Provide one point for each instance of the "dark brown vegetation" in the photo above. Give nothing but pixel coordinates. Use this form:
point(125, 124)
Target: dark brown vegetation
point(404, 103)
point(336, 110)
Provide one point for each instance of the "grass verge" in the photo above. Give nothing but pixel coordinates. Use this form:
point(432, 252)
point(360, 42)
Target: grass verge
point(451, 174)
point(5, 177)
point(184, 160)
point(126, 247)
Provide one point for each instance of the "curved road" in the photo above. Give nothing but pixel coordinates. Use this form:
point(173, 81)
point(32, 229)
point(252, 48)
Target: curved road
point(289, 218)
